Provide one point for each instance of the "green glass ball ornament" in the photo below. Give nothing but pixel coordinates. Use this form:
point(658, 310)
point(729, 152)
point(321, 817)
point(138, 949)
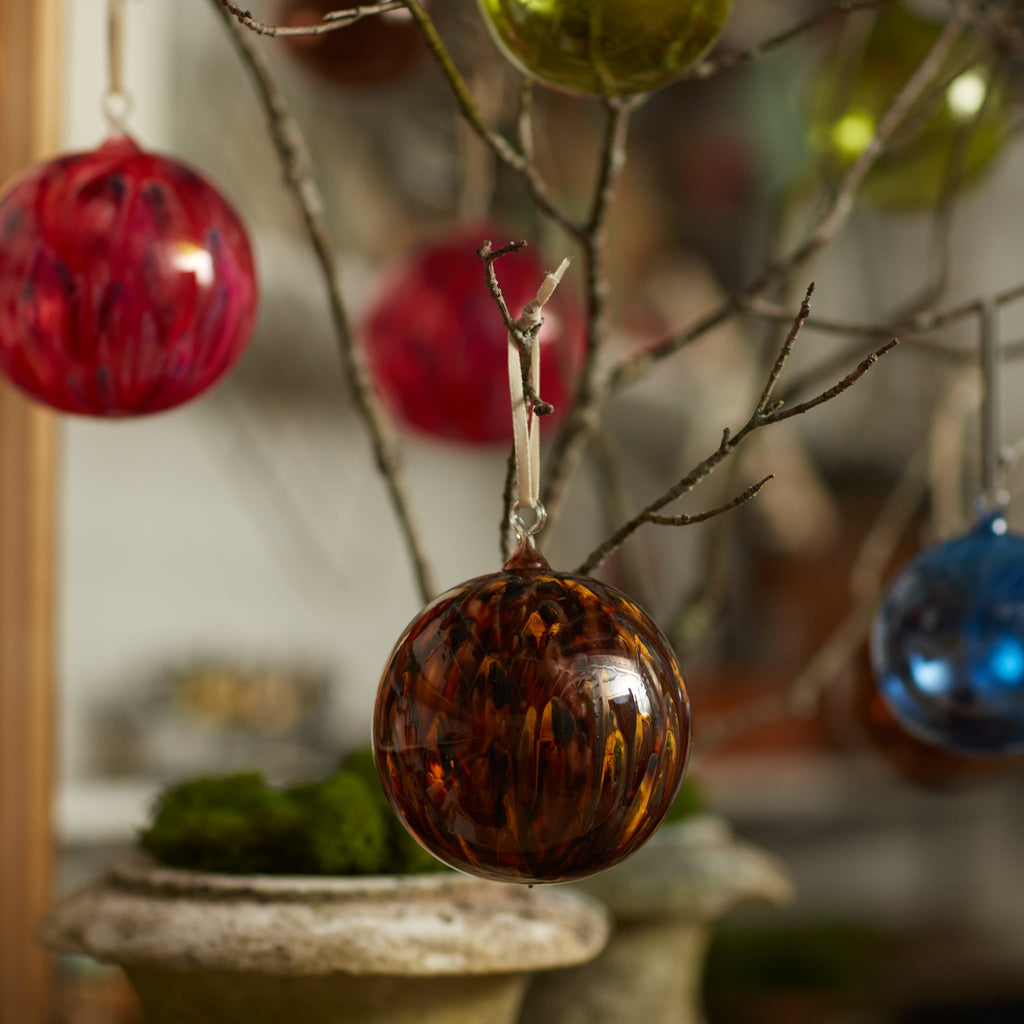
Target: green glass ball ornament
point(605, 47)
point(948, 138)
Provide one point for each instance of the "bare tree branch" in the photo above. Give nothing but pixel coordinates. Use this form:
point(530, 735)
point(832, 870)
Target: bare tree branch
point(593, 238)
point(765, 413)
point(686, 520)
point(294, 156)
point(727, 61)
point(867, 579)
point(829, 224)
point(333, 21)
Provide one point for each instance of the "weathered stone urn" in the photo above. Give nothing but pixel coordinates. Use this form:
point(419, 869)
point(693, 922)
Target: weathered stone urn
point(664, 900)
point(428, 949)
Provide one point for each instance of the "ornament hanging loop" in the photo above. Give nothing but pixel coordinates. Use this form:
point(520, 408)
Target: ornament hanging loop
point(529, 520)
point(993, 496)
point(117, 103)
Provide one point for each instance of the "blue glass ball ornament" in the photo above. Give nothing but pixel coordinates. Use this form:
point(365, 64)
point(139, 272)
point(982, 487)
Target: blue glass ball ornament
point(947, 646)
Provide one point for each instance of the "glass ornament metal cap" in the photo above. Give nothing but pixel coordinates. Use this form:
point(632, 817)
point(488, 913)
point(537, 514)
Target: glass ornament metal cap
point(532, 725)
point(947, 645)
point(605, 47)
point(127, 283)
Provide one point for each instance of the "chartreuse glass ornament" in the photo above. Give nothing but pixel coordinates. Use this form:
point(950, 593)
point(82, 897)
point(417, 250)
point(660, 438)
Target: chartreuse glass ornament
point(127, 283)
point(532, 725)
point(946, 140)
point(948, 643)
point(606, 47)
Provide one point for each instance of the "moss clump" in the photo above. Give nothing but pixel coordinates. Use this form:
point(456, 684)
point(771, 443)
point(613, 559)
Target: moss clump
point(341, 825)
point(235, 823)
point(403, 851)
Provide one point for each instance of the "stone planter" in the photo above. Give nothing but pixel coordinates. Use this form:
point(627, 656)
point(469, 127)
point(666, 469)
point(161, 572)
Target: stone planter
point(430, 949)
point(664, 900)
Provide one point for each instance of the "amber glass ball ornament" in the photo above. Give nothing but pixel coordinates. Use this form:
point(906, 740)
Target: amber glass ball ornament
point(606, 47)
point(532, 725)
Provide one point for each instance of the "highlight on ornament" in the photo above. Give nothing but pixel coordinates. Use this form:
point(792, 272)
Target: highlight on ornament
point(948, 643)
point(605, 47)
point(127, 282)
point(532, 725)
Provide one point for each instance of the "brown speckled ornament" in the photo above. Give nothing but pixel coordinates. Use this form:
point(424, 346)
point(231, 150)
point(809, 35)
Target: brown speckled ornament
point(532, 725)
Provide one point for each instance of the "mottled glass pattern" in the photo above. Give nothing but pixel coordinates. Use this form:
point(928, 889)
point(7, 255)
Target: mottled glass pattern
point(532, 726)
point(948, 643)
point(126, 282)
point(606, 47)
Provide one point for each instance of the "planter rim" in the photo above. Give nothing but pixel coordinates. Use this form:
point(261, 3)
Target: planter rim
point(693, 870)
point(141, 874)
point(417, 925)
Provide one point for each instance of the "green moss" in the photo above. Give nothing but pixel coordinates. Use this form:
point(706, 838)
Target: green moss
point(405, 855)
point(341, 825)
point(235, 823)
point(344, 832)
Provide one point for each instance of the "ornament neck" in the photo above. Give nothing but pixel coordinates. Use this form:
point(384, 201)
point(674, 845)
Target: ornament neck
point(526, 556)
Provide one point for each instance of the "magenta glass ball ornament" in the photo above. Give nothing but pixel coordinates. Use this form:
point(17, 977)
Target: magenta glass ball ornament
point(127, 283)
point(947, 645)
point(437, 348)
point(532, 725)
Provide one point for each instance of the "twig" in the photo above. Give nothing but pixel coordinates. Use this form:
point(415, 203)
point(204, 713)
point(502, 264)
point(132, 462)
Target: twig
point(764, 414)
point(638, 366)
point(700, 517)
point(650, 515)
point(590, 390)
point(508, 495)
point(525, 336)
point(765, 400)
point(496, 142)
point(727, 61)
point(867, 578)
point(293, 153)
point(331, 22)
point(490, 256)
point(924, 322)
point(837, 389)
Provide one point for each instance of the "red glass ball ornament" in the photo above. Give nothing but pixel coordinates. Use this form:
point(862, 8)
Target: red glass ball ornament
point(375, 50)
point(438, 350)
point(532, 725)
point(127, 283)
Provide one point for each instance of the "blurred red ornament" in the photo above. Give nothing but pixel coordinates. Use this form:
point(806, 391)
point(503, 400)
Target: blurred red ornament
point(438, 350)
point(532, 725)
point(126, 282)
point(375, 50)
